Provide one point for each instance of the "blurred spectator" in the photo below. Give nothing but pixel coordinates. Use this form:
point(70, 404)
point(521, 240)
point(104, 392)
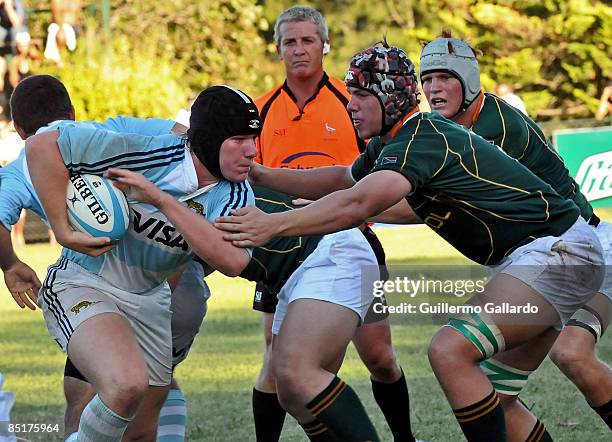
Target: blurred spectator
point(605, 103)
point(20, 66)
point(12, 24)
point(62, 32)
point(505, 92)
point(182, 116)
point(10, 146)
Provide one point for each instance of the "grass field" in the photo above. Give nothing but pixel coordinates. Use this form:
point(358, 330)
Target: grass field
point(218, 375)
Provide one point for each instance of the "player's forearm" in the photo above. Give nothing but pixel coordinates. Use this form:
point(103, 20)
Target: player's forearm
point(400, 213)
point(339, 211)
point(311, 184)
point(204, 239)
point(50, 179)
point(7, 254)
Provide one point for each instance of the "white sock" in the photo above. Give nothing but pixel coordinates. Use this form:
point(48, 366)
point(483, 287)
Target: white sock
point(101, 424)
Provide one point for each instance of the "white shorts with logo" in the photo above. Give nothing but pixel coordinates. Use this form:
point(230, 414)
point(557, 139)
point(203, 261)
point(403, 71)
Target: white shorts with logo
point(333, 272)
point(567, 270)
point(70, 295)
point(604, 232)
point(189, 306)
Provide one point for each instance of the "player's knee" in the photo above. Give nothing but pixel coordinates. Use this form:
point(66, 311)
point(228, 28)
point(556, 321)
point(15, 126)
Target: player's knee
point(445, 349)
point(382, 363)
point(570, 358)
point(290, 377)
point(125, 394)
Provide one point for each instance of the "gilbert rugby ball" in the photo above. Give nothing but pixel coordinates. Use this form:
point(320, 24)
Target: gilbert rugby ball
point(97, 207)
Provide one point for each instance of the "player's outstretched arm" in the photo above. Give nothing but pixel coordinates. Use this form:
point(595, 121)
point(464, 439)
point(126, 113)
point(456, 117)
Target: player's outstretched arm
point(400, 213)
point(206, 241)
point(19, 278)
point(310, 184)
point(50, 178)
point(251, 227)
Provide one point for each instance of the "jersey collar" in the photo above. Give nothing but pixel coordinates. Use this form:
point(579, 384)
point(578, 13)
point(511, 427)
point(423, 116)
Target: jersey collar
point(322, 83)
point(479, 106)
point(413, 113)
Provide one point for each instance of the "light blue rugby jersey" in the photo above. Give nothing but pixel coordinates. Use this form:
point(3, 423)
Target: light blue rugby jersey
point(16, 189)
point(151, 248)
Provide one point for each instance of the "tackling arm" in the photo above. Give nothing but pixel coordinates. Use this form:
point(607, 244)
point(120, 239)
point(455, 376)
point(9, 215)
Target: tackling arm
point(310, 184)
point(400, 213)
point(338, 211)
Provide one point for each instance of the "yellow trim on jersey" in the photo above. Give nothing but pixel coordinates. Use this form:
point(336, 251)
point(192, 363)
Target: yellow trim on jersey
point(265, 269)
point(408, 145)
point(463, 209)
point(473, 151)
point(299, 239)
point(503, 122)
point(280, 203)
point(526, 142)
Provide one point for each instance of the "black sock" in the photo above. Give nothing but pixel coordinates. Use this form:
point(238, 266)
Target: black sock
point(605, 413)
point(539, 434)
point(394, 402)
point(339, 408)
point(317, 431)
point(484, 420)
point(268, 415)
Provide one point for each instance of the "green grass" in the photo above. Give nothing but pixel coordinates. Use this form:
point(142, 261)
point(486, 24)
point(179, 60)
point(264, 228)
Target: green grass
point(218, 375)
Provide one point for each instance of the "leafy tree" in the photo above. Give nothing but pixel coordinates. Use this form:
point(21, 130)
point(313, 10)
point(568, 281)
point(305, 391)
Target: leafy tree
point(556, 53)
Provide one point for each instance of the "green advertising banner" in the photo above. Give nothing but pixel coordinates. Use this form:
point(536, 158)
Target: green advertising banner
point(588, 156)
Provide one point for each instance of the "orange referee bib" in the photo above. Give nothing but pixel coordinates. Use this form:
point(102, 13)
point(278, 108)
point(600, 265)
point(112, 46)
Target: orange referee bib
point(321, 135)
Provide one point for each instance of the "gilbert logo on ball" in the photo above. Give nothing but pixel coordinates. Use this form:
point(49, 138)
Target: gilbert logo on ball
point(97, 207)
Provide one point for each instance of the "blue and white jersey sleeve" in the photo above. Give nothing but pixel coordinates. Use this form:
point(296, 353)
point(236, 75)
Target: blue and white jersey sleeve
point(13, 197)
point(224, 197)
point(86, 149)
point(17, 192)
point(142, 126)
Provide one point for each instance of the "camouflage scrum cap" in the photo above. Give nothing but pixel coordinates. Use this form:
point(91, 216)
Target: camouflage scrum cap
point(387, 73)
point(456, 57)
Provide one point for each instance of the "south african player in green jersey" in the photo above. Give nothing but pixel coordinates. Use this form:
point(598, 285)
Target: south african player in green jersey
point(479, 199)
point(450, 75)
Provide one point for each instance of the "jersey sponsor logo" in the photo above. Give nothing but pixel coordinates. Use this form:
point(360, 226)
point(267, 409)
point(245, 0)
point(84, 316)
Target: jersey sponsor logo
point(280, 132)
point(76, 309)
point(330, 130)
point(158, 230)
point(388, 160)
point(88, 199)
point(287, 162)
point(595, 176)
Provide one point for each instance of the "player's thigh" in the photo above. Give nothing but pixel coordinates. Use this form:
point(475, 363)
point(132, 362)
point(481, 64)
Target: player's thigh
point(543, 283)
point(313, 333)
point(529, 356)
point(104, 349)
point(502, 304)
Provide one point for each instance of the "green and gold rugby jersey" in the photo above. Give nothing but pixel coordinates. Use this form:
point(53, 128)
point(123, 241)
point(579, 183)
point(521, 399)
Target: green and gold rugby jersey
point(479, 199)
point(274, 262)
point(521, 138)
